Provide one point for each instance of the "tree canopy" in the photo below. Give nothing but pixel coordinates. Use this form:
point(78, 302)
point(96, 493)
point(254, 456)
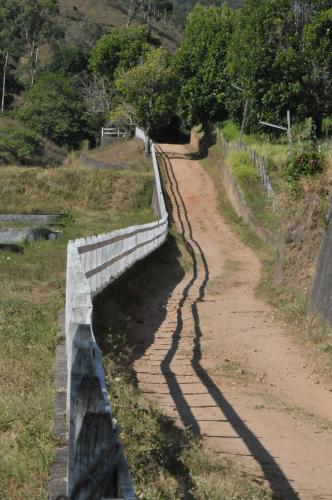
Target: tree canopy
point(274, 54)
point(150, 90)
point(121, 50)
point(200, 64)
point(55, 110)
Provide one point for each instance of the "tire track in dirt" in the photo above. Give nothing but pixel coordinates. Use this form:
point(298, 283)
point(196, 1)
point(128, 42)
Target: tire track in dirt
point(175, 370)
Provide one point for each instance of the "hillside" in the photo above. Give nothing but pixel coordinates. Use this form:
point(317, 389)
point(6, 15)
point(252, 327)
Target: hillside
point(84, 20)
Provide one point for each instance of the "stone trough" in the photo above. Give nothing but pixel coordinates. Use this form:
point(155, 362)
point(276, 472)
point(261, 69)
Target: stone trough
point(57, 219)
point(15, 236)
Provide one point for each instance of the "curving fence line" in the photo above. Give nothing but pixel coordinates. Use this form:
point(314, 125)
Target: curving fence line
point(97, 467)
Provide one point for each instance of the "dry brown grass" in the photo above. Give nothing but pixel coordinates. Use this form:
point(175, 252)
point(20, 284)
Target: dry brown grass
point(107, 14)
point(73, 188)
point(127, 153)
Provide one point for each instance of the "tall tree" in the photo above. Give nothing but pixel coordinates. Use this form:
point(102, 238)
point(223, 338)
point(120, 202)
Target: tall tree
point(267, 57)
point(149, 91)
point(37, 28)
point(10, 46)
point(200, 64)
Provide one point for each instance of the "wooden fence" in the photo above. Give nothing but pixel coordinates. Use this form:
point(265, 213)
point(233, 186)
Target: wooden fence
point(113, 132)
point(97, 467)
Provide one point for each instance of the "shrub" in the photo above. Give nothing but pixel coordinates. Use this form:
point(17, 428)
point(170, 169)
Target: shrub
point(55, 109)
point(20, 145)
point(327, 126)
point(305, 162)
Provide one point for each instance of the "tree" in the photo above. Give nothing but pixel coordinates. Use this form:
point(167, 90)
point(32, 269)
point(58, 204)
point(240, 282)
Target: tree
point(200, 64)
point(20, 145)
point(10, 47)
point(317, 79)
point(267, 57)
point(37, 27)
point(68, 60)
point(149, 91)
point(55, 110)
point(121, 50)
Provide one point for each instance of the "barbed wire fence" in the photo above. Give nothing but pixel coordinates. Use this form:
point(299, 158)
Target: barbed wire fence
point(257, 160)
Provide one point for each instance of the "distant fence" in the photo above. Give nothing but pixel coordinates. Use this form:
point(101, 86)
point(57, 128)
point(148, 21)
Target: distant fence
point(97, 467)
point(113, 132)
point(258, 161)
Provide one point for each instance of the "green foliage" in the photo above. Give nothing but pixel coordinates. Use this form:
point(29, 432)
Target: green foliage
point(121, 50)
point(200, 64)
point(305, 161)
point(230, 131)
point(327, 125)
point(244, 170)
point(68, 60)
point(279, 53)
point(19, 144)
point(150, 90)
point(24, 26)
point(55, 110)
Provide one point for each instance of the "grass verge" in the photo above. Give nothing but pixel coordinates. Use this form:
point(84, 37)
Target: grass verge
point(254, 193)
point(265, 252)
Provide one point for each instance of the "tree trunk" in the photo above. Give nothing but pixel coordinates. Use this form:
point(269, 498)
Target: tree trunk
point(4, 82)
point(34, 67)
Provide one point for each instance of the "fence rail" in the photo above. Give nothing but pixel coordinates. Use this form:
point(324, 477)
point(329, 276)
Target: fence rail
point(258, 161)
point(113, 132)
point(97, 467)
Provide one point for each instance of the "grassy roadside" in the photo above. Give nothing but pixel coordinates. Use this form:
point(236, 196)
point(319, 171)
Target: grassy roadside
point(33, 291)
point(251, 186)
point(265, 252)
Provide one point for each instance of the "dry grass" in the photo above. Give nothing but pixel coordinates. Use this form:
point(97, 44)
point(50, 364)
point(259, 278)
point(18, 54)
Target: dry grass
point(106, 14)
point(73, 188)
point(130, 154)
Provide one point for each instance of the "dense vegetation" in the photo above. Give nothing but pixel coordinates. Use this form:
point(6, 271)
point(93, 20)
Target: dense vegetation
point(277, 52)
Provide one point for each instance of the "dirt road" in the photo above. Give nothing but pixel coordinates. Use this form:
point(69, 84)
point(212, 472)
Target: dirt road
point(219, 361)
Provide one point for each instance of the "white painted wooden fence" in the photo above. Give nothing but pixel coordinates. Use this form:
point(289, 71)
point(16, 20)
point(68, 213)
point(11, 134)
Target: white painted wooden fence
point(97, 465)
point(113, 132)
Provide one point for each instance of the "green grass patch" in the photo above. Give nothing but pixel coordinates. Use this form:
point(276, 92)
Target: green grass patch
point(230, 131)
point(254, 193)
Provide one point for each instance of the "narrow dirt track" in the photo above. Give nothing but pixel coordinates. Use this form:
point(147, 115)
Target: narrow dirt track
point(221, 364)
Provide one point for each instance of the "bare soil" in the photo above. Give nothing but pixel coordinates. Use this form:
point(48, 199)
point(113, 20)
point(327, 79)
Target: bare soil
point(215, 358)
